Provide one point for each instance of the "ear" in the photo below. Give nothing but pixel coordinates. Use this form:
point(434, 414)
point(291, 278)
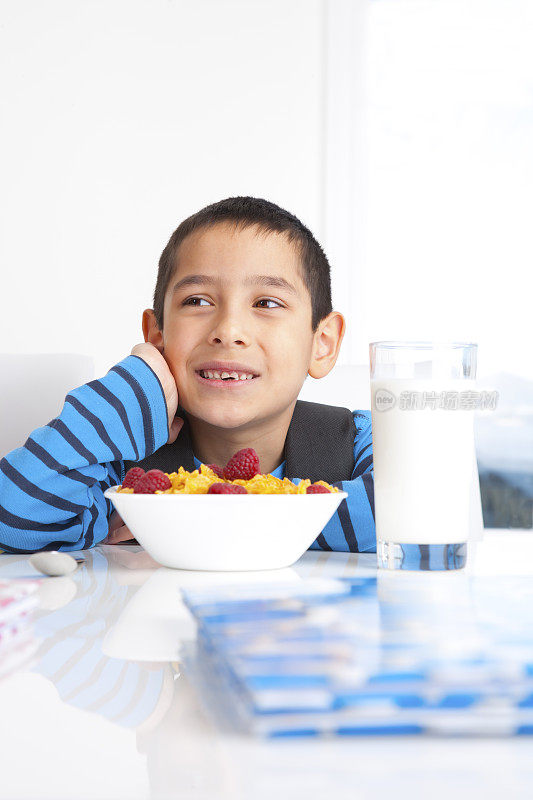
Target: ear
point(326, 344)
point(151, 332)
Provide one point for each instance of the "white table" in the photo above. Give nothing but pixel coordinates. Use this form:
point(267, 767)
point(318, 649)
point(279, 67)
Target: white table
point(102, 711)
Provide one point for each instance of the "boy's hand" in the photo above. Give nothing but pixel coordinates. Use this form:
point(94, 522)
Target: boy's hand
point(118, 531)
point(149, 353)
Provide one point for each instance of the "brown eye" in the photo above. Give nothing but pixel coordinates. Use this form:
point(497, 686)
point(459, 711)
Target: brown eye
point(268, 300)
point(188, 301)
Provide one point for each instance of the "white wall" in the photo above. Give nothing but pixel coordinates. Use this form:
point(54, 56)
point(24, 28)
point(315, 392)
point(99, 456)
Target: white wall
point(123, 117)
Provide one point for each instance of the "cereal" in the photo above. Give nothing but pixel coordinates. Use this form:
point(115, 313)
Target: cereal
point(199, 481)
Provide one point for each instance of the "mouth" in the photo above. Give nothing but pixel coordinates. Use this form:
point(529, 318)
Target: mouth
point(216, 379)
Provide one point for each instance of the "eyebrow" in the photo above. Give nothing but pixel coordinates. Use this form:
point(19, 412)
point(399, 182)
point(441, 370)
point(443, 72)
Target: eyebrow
point(250, 280)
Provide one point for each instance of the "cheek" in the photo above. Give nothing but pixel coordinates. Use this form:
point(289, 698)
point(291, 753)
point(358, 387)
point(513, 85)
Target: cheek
point(179, 338)
point(290, 361)
point(176, 354)
point(293, 345)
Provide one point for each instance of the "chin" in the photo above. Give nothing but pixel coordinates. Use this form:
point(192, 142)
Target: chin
point(227, 418)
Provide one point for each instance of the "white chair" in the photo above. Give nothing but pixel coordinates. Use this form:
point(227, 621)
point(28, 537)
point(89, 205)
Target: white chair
point(33, 390)
point(348, 385)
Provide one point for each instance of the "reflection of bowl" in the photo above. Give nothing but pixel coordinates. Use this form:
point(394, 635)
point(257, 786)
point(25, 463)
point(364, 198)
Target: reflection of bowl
point(225, 532)
point(155, 623)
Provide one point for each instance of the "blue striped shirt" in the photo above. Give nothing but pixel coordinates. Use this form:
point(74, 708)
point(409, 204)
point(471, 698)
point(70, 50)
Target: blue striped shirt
point(52, 488)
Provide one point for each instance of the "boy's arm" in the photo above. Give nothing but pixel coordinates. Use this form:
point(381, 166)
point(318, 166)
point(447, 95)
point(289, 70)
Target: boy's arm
point(352, 528)
point(52, 488)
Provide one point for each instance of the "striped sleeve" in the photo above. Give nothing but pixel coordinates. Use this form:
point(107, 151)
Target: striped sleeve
point(352, 528)
point(52, 488)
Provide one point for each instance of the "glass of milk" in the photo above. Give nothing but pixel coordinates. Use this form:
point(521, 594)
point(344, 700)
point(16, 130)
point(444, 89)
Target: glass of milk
point(423, 399)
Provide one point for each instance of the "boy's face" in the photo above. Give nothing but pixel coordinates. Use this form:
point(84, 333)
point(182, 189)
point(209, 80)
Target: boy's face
point(231, 315)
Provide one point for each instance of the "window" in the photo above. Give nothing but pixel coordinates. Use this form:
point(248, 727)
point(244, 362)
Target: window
point(429, 200)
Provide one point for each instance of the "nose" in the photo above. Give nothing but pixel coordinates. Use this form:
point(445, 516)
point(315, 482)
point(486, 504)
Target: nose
point(229, 330)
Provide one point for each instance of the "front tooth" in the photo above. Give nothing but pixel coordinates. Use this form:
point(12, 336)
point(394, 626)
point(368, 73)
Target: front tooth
point(234, 375)
point(224, 375)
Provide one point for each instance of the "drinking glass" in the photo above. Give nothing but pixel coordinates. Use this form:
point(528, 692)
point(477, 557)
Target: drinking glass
point(423, 399)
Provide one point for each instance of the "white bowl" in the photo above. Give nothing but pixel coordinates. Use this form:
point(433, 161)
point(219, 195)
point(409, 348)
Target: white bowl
point(225, 531)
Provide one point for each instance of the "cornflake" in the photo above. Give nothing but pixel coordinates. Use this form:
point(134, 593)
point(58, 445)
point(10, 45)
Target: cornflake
point(199, 481)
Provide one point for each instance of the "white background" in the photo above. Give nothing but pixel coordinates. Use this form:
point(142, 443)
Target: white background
point(120, 119)
point(399, 131)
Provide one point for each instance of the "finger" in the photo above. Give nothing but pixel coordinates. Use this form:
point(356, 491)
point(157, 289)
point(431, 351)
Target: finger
point(175, 428)
point(122, 534)
point(115, 521)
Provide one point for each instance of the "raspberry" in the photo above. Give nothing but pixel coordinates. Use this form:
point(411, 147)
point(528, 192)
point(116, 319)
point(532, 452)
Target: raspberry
point(131, 477)
point(226, 488)
point(216, 469)
point(153, 480)
point(243, 465)
point(316, 488)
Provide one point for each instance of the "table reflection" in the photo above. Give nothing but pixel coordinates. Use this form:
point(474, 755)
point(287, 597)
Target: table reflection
point(111, 639)
point(74, 615)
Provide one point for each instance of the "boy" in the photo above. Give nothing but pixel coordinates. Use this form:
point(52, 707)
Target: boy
point(243, 288)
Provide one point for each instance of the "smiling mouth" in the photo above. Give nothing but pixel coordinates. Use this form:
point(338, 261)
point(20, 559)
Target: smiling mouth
point(214, 378)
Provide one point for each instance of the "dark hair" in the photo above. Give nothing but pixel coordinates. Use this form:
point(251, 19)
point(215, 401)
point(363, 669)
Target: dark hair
point(246, 212)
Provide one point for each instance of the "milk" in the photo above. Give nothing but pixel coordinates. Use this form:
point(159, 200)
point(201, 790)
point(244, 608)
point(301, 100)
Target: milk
point(422, 464)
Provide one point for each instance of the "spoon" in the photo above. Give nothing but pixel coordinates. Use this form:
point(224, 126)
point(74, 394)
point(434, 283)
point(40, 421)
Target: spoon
point(52, 562)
